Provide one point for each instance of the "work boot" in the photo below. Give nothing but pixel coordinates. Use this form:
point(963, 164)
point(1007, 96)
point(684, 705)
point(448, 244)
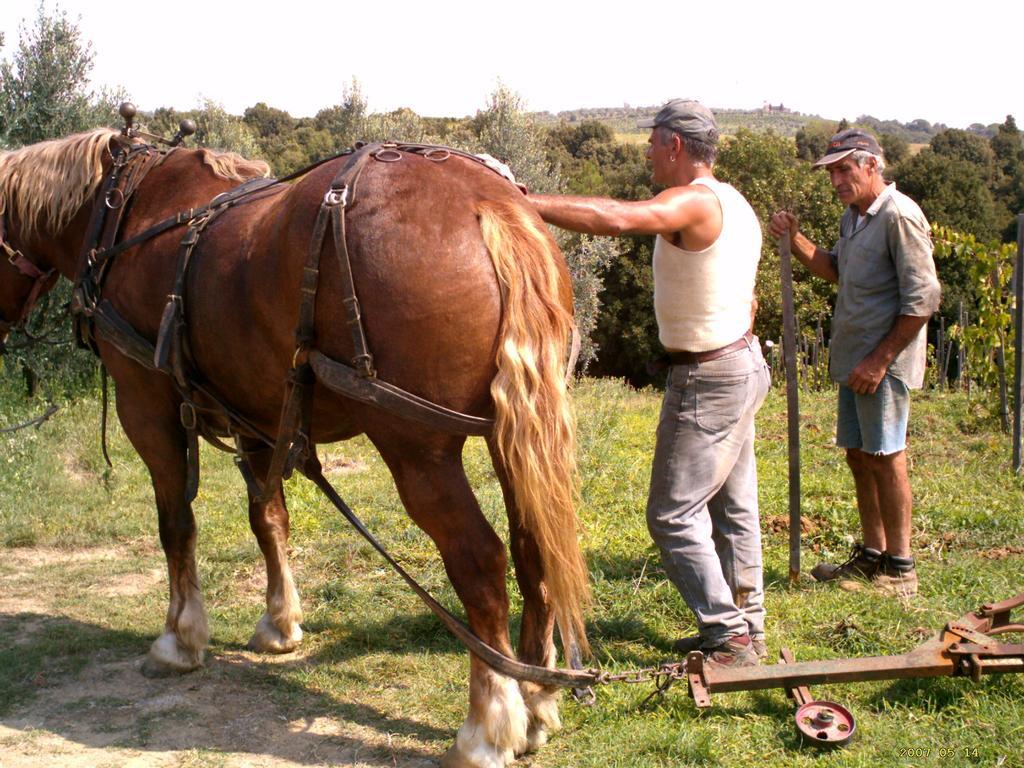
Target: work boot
point(685, 645)
point(897, 576)
point(737, 651)
point(863, 563)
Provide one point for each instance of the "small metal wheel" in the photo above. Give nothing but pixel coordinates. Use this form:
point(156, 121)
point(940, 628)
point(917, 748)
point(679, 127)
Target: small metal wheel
point(825, 724)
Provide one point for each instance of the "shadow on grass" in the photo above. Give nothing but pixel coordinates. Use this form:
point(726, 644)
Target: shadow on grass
point(423, 633)
point(83, 684)
point(930, 694)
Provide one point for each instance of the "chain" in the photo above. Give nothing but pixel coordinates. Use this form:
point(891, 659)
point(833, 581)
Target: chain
point(663, 676)
point(675, 670)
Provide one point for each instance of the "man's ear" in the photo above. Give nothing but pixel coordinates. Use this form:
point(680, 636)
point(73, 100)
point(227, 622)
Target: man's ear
point(677, 144)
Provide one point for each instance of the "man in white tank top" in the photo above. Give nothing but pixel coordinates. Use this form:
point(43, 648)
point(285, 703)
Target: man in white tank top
point(702, 507)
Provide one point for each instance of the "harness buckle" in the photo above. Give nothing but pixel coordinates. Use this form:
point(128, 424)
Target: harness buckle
point(336, 197)
point(364, 366)
point(352, 305)
point(13, 256)
point(187, 413)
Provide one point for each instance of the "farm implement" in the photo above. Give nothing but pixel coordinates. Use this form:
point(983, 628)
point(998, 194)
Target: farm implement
point(963, 648)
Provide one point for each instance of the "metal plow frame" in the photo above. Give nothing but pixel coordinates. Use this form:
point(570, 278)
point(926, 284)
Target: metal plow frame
point(963, 648)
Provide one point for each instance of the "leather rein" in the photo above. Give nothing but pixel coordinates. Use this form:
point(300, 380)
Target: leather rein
point(26, 267)
point(357, 379)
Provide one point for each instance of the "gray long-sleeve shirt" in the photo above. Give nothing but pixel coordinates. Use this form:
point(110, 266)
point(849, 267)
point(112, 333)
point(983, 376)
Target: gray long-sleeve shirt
point(886, 269)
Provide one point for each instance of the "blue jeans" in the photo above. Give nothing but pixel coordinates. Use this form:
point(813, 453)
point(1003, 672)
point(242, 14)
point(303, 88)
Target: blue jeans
point(702, 508)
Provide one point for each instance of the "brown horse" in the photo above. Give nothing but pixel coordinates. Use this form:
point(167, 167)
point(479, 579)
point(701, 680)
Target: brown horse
point(466, 302)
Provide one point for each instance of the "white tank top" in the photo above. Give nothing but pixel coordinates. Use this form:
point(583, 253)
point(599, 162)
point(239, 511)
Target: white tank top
point(702, 299)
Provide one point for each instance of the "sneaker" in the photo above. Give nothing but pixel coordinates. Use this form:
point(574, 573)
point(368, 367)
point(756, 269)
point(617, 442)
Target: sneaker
point(897, 576)
point(686, 645)
point(863, 563)
point(737, 651)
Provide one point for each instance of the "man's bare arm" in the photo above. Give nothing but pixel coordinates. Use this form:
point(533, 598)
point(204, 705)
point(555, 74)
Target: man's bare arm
point(671, 211)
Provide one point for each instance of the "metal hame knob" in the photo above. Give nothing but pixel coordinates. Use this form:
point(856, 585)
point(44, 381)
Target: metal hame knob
point(185, 128)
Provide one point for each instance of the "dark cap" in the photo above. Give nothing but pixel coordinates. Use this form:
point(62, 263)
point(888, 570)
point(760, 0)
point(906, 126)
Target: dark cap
point(846, 143)
point(686, 117)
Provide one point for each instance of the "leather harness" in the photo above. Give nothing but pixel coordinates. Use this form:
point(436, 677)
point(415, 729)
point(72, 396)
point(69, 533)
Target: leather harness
point(25, 266)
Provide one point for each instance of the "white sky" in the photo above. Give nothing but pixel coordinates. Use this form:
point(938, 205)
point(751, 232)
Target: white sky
point(902, 59)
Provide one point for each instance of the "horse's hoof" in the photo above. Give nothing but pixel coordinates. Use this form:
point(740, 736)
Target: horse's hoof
point(454, 758)
point(156, 669)
point(536, 737)
point(543, 707)
point(166, 658)
point(471, 750)
point(269, 639)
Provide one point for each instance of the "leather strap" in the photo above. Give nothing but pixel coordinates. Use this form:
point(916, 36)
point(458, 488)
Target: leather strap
point(27, 268)
point(567, 678)
point(690, 358)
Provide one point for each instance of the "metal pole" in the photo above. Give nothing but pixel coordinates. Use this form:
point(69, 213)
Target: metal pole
point(792, 404)
point(1018, 337)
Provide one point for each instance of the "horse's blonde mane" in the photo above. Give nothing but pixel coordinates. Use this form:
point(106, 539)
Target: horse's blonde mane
point(43, 185)
point(231, 165)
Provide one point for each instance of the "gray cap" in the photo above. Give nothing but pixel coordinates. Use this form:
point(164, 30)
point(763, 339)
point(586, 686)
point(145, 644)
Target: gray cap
point(845, 143)
point(687, 117)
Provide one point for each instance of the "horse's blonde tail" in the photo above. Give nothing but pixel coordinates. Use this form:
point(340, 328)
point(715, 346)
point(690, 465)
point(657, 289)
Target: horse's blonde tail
point(535, 431)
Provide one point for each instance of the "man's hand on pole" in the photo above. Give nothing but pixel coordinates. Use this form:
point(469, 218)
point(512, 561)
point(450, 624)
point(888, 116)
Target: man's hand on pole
point(783, 222)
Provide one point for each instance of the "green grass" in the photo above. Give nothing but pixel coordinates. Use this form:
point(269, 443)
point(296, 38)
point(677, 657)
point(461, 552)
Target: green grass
point(375, 659)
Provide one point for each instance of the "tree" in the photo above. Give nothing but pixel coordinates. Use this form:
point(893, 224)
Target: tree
point(44, 89)
point(399, 125)
point(582, 139)
point(963, 145)
point(346, 121)
point(267, 121)
point(812, 139)
point(505, 130)
point(1007, 147)
point(895, 147)
point(215, 128)
point(951, 191)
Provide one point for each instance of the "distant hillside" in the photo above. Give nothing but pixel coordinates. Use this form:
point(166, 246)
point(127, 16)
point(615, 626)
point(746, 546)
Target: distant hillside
point(623, 120)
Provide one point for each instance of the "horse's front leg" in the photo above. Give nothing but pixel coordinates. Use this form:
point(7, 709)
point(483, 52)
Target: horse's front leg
point(434, 490)
point(148, 410)
point(278, 630)
point(536, 634)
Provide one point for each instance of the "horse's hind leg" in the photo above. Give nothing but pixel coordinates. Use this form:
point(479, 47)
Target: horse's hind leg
point(278, 630)
point(536, 634)
point(435, 492)
point(148, 411)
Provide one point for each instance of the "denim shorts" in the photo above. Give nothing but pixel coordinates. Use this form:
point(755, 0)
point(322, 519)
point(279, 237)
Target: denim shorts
point(875, 423)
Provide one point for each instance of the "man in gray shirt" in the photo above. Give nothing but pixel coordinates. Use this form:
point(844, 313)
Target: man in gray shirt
point(887, 292)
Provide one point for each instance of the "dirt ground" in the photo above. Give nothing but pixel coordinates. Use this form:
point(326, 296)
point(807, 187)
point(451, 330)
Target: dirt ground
point(109, 714)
